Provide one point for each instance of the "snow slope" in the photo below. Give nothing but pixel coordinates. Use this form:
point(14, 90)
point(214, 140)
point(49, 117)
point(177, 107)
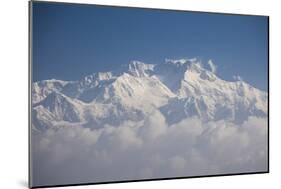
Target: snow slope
point(179, 89)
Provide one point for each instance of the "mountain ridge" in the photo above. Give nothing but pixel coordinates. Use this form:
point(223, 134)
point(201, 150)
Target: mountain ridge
point(178, 89)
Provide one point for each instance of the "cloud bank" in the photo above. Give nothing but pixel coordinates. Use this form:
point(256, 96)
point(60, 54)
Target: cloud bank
point(149, 149)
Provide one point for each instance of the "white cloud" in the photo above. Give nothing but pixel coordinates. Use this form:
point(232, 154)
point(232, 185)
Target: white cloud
point(177, 164)
point(155, 126)
point(149, 149)
point(212, 66)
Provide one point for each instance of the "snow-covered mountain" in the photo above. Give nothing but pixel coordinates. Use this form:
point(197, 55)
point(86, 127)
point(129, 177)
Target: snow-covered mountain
point(178, 89)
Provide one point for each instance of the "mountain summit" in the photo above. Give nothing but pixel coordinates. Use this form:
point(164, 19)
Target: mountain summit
point(178, 89)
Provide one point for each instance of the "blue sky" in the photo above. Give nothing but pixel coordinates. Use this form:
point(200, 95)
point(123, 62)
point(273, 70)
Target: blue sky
point(71, 41)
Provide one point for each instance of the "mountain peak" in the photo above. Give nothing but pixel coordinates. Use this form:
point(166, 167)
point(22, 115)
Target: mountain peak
point(181, 61)
point(140, 69)
point(192, 64)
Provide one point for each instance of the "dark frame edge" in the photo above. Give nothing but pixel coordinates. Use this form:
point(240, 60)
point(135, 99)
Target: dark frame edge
point(29, 90)
point(268, 91)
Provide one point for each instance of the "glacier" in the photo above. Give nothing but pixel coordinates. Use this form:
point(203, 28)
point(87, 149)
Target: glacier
point(140, 121)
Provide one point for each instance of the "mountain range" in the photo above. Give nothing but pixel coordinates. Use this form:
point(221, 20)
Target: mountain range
point(178, 89)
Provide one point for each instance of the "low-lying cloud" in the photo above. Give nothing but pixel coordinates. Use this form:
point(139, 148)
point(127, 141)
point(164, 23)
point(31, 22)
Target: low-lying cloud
point(149, 149)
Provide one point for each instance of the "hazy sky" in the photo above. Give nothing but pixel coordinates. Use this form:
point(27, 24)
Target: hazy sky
point(71, 41)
